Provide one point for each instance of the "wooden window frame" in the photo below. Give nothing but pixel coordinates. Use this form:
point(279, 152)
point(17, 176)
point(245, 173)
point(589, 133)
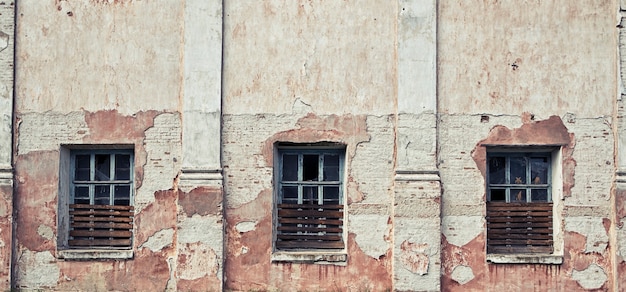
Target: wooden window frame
point(96, 224)
point(519, 225)
point(309, 225)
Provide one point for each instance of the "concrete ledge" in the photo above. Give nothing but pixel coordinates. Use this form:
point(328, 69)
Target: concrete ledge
point(94, 254)
point(544, 259)
point(311, 257)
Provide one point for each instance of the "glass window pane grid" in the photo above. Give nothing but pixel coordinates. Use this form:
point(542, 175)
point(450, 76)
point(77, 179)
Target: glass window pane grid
point(301, 184)
point(94, 184)
point(527, 184)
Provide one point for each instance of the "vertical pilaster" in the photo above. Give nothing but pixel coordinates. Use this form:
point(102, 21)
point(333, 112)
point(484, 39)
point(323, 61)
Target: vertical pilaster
point(417, 231)
point(200, 181)
point(618, 236)
point(7, 29)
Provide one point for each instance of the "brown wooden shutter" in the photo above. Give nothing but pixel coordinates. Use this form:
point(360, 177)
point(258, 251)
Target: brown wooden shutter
point(519, 227)
point(101, 226)
point(309, 226)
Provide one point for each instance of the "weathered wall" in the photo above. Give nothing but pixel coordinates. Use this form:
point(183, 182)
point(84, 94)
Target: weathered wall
point(309, 86)
point(109, 72)
point(507, 68)
point(7, 27)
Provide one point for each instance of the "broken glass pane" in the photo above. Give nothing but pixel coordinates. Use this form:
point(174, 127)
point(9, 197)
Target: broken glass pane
point(81, 172)
point(310, 167)
point(496, 170)
point(103, 167)
point(518, 195)
point(309, 195)
point(539, 170)
point(290, 167)
point(518, 170)
point(331, 167)
point(101, 196)
point(122, 167)
point(498, 195)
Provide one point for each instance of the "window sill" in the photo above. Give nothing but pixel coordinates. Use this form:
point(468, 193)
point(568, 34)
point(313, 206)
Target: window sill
point(311, 257)
point(95, 254)
point(544, 259)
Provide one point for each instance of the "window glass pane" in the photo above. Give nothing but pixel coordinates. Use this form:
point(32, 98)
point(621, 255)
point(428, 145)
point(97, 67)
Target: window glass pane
point(497, 168)
point(101, 195)
point(122, 167)
point(81, 195)
point(518, 195)
point(309, 195)
point(331, 195)
point(122, 195)
point(539, 195)
point(290, 167)
point(518, 170)
point(310, 167)
point(290, 195)
point(81, 172)
point(498, 195)
point(331, 167)
point(539, 170)
point(103, 167)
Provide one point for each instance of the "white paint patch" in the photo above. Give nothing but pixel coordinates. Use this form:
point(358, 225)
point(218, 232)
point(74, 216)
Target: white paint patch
point(460, 230)
point(245, 226)
point(45, 232)
point(592, 228)
point(200, 229)
point(201, 261)
point(462, 274)
point(159, 240)
point(370, 233)
point(593, 277)
point(37, 269)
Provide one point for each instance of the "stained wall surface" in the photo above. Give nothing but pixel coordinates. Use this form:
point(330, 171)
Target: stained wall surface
point(416, 91)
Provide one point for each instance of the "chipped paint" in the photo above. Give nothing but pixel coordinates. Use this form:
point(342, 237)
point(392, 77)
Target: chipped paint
point(593, 277)
point(414, 257)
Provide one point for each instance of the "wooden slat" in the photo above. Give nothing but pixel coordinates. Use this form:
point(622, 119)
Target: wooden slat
point(309, 237)
point(310, 221)
point(519, 227)
point(309, 244)
point(309, 229)
point(102, 219)
point(99, 242)
point(111, 225)
point(101, 233)
point(101, 207)
point(310, 213)
point(101, 213)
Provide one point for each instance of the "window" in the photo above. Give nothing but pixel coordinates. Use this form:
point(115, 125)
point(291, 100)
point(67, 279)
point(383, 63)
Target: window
point(309, 201)
point(519, 207)
point(101, 199)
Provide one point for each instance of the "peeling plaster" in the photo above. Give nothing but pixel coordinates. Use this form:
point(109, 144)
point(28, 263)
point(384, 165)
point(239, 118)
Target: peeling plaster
point(462, 274)
point(414, 257)
point(245, 226)
point(197, 260)
point(200, 229)
point(45, 232)
point(371, 231)
point(38, 269)
point(159, 240)
point(593, 277)
point(592, 229)
point(460, 230)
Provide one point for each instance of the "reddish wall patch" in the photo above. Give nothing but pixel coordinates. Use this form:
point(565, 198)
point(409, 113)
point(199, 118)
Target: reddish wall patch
point(37, 176)
point(202, 201)
point(6, 210)
point(159, 215)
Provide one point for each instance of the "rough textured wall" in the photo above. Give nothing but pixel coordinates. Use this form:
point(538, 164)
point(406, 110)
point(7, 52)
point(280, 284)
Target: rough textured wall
point(286, 56)
point(513, 66)
point(7, 28)
point(108, 72)
point(308, 86)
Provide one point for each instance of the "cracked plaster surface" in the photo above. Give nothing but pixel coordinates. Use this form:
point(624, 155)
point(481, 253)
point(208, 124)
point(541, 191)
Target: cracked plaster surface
point(593, 277)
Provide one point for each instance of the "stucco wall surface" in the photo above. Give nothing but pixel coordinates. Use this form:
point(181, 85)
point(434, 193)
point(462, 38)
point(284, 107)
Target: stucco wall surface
point(289, 56)
point(95, 55)
point(507, 57)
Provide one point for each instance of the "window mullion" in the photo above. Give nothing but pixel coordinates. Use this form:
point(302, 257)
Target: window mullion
point(92, 177)
point(112, 177)
point(507, 179)
point(300, 175)
point(320, 177)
